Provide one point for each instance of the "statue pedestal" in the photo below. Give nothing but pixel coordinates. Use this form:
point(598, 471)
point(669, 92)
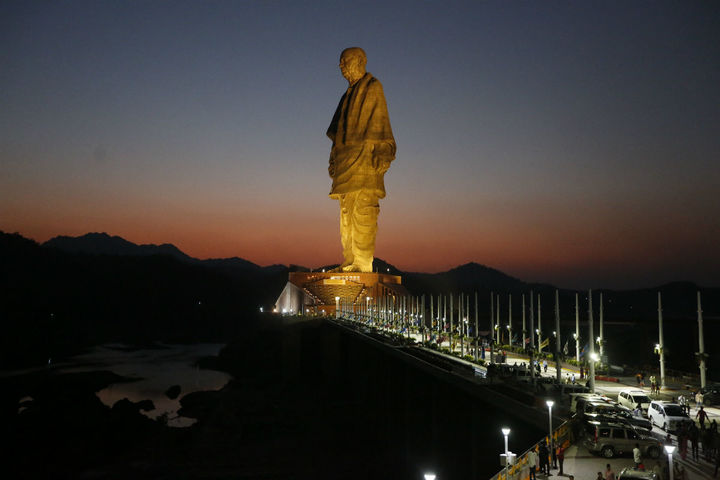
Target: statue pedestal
point(314, 293)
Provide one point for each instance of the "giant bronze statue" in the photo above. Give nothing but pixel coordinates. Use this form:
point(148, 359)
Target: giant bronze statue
point(363, 147)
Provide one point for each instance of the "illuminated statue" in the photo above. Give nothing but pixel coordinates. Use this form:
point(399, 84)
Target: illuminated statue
point(363, 147)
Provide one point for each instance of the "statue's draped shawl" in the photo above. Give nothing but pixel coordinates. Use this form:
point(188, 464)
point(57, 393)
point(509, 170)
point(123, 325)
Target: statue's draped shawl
point(361, 123)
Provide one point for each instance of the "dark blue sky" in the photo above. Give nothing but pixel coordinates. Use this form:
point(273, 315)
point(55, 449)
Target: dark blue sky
point(567, 142)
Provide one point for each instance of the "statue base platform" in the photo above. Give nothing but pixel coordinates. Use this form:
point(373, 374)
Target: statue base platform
point(315, 293)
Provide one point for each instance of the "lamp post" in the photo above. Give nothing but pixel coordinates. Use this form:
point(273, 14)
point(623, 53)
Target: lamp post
point(660, 346)
point(591, 343)
point(550, 404)
point(670, 449)
point(577, 329)
point(506, 433)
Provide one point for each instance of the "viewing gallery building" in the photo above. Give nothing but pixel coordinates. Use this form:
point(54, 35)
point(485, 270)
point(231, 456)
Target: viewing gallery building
point(318, 293)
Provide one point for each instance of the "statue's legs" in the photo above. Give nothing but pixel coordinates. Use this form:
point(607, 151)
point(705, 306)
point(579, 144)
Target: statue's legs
point(358, 228)
point(347, 202)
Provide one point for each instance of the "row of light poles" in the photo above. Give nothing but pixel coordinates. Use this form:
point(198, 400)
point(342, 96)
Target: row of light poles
point(495, 317)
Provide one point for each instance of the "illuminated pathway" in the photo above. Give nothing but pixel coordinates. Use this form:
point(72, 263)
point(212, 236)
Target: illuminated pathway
point(579, 461)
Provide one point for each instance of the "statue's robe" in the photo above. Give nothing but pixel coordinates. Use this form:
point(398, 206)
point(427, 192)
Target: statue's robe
point(360, 130)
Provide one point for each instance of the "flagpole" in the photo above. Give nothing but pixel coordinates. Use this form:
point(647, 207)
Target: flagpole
point(523, 321)
point(477, 336)
point(577, 330)
point(558, 367)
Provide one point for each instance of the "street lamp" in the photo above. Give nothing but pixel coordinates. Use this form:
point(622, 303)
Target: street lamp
point(506, 432)
point(429, 476)
point(550, 404)
point(670, 449)
point(337, 307)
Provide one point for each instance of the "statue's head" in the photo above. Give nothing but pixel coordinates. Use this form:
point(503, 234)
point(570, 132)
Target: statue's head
point(352, 64)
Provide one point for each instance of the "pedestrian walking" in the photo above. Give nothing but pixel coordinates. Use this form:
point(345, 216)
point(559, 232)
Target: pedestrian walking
point(582, 372)
point(683, 403)
point(553, 455)
point(638, 378)
point(699, 397)
point(637, 455)
point(609, 473)
point(560, 458)
point(532, 459)
point(545, 365)
point(701, 415)
point(572, 378)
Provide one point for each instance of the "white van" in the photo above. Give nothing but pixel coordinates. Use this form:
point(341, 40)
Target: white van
point(631, 397)
point(669, 416)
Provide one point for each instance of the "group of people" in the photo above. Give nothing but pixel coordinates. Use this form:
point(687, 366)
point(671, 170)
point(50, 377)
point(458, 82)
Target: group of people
point(544, 457)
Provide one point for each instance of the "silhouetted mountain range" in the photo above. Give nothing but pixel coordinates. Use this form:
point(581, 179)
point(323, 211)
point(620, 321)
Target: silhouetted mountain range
point(72, 292)
point(104, 244)
point(470, 277)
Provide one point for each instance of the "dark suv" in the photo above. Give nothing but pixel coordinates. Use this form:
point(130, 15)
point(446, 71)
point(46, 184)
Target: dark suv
point(711, 394)
point(610, 439)
point(620, 415)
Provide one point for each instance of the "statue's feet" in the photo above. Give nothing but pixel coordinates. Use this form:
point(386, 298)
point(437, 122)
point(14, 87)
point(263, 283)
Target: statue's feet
point(351, 268)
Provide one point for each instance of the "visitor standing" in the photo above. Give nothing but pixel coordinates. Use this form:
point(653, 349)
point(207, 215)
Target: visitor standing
point(637, 456)
point(560, 453)
point(694, 435)
point(609, 473)
point(532, 459)
point(544, 460)
point(699, 397)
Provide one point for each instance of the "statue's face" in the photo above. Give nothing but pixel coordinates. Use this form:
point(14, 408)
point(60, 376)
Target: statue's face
point(351, 66)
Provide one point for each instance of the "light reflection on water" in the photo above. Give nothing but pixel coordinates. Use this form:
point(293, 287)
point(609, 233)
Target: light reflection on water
point(156, 369)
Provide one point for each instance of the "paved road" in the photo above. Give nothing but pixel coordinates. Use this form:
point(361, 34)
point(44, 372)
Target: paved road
point(584, 465)
point(589, 464)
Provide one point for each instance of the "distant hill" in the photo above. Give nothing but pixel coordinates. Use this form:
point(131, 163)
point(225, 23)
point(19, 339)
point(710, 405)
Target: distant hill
point(73, 292)
point(465, 278)
point(104, 244)
point(470, 277)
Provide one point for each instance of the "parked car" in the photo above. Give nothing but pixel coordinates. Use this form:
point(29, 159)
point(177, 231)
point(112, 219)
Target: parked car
point(631, 473)
point(622, 415)
point(584, 406)
point(711, 394)
point(611, 439)
point(668, 416)
point(631, 398)
point(581, 398)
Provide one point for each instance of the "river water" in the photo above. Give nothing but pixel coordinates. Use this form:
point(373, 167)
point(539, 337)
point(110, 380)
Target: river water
point(155, 369)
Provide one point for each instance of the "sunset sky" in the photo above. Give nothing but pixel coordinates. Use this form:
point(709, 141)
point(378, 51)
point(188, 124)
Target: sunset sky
point(575, 143)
